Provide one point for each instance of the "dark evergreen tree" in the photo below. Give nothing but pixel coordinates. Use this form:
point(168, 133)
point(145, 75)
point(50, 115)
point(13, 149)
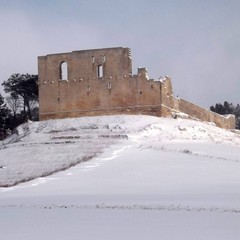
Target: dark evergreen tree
point(4, 118)
point(237, 115)
point(23, 86)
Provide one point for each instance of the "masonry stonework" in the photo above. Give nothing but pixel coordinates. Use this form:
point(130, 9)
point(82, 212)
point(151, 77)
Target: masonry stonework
point(100, 82)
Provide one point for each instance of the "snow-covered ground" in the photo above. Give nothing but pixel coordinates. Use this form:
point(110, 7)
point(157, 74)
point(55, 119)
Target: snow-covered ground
point(133, 177)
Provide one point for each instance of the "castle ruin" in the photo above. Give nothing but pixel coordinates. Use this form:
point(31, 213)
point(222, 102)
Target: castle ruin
point(101, 82)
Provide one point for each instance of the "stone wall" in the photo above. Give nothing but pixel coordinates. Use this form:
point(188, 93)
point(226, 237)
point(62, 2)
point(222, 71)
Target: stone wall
point(100, 82)
point(87, 91)
point(196, 112)
point(166, 96)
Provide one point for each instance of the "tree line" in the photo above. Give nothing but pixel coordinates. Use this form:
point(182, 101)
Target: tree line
point(20, 104)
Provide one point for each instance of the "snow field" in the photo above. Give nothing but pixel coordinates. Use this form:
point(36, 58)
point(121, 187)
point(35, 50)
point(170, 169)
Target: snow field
point(98, 224)
point(148, 178)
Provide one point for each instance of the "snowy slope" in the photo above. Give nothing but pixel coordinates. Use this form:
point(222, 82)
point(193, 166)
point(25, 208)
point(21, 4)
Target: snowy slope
point(145, 178)
point(42, 148)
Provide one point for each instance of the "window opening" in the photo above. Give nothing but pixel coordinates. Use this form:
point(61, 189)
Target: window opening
point(103, 58)
point(93, 59)
point(109, 86)
point(63, 71)
point(100, 71)
point(88, 90)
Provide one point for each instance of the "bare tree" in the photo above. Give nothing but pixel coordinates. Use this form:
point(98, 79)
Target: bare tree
point(15, 103)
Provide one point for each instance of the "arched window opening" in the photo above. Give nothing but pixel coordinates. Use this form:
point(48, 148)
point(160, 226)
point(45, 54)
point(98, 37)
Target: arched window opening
point(64, 71)
point(100, 71)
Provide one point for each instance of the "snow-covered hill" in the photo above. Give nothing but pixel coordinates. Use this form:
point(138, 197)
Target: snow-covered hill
point(132, 177)
point(42, 148)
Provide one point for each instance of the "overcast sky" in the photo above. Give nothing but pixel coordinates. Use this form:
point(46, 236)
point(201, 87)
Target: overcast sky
point(195, 42)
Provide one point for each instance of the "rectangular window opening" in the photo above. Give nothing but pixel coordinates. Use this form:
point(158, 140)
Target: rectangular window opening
point(63, 71)
point(100, 71)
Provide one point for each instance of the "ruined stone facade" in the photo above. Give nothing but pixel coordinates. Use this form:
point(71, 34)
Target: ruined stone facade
point(100, 82)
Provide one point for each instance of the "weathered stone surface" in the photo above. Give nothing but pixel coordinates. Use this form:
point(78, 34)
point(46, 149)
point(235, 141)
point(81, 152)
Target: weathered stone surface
point(100, 82)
